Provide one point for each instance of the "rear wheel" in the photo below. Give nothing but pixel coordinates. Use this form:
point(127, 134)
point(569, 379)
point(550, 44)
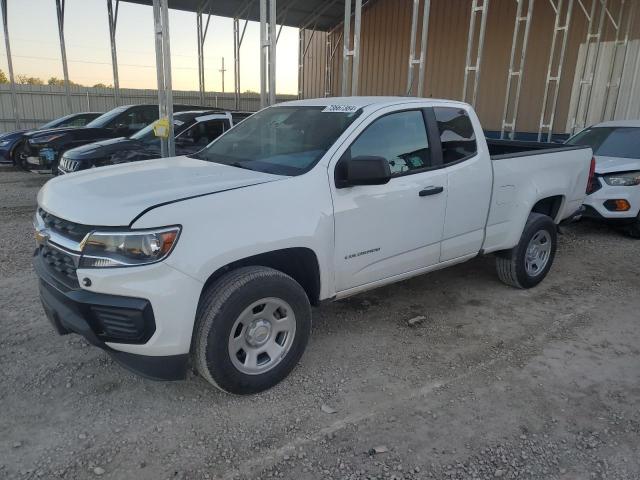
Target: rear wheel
point(252, 326)
point(526, 265)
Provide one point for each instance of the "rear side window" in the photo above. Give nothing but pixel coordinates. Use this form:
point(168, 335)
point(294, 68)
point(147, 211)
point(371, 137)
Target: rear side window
point(456, 134)
point(401, 138)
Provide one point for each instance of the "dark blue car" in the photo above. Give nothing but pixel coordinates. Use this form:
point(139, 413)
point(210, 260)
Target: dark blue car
point(8, 141)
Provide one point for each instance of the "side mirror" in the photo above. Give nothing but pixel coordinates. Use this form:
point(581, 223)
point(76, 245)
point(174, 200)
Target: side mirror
point(363, 170)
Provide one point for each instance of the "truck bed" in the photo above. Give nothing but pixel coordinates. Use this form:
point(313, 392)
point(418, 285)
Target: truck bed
point(503, 149)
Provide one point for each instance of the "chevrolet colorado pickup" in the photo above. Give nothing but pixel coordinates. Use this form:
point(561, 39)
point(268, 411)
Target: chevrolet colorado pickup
point(214, 259)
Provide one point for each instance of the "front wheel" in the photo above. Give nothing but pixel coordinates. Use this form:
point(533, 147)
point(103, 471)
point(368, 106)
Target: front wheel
point(526, 264)
point(19, 157)
point(252, 326)
point(633, 230)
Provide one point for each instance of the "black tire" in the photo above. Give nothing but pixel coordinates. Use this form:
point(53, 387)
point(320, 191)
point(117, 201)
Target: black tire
point(633, 230)
point(18, 156)
point(510, 264)
point(221, 305)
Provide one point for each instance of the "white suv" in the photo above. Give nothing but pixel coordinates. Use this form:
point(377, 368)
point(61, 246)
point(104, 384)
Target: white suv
point(614, 194)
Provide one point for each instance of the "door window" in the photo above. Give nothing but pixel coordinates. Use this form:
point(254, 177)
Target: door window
point(456, 134)
point(401, 138)
point(203, 133)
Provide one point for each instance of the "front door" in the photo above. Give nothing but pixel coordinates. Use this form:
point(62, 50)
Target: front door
point(387, 230)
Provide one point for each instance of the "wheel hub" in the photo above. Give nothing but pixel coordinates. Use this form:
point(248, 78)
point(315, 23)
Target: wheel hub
point(258, 332)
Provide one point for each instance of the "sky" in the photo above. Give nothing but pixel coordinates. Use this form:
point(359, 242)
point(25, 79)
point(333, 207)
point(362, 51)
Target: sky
point(35, 47)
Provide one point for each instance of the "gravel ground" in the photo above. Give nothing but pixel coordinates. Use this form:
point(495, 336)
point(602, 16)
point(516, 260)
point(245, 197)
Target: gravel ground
point(493, 382)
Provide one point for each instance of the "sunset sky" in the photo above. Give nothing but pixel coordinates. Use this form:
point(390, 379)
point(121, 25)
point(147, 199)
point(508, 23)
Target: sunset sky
point(36, 50)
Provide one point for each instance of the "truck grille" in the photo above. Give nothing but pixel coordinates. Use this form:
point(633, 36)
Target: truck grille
point(64, 227)
point(59, 263)
point(68, 166)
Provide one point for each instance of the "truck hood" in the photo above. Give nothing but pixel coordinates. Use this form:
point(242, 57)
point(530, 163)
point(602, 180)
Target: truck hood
point(116, 195)
point(616, 164)
point(101, 149)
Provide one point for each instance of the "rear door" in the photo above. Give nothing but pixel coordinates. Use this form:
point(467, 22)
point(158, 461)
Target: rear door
point(386, 230)
point(469, 179)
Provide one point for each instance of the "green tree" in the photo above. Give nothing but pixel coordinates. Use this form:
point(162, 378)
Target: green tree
point(3, 77)
point(102, 85)
point(27, 80)
point(59, 82)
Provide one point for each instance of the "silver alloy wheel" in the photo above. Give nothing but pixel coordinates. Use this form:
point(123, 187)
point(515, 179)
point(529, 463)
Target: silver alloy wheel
point(538, 253)
point(262, 335)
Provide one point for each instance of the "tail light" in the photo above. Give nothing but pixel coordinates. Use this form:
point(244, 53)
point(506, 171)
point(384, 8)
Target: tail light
point(591, 182)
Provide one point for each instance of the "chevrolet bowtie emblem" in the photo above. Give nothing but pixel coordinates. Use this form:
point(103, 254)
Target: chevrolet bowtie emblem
point(41, 236)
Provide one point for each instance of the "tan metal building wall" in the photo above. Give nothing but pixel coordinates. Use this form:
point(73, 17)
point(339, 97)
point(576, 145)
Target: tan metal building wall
point(385, 37)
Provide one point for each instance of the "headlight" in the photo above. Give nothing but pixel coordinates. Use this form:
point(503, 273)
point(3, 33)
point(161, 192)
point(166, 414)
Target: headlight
point(124, 249)
point(4, 143)
point(628, 179)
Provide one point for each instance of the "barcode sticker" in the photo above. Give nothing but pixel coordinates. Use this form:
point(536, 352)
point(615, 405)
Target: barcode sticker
point(340, 108)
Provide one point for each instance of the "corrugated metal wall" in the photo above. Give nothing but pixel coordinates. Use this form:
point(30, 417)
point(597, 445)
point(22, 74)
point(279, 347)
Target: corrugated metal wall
point(38, 104)
point(385, 37)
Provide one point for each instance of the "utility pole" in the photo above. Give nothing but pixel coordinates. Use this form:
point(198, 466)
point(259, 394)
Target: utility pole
point(222, 70)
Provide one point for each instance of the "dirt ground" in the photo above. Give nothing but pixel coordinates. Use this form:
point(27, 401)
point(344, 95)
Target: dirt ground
point(494, 383)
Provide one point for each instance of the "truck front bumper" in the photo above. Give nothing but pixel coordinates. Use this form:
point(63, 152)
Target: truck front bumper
point(144, 333)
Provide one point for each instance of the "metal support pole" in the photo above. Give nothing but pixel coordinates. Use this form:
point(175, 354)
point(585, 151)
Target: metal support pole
point(346, 44)
point(332, 48)
point(60, 4)
point(7, 45)
point(550, 111)
point(355, 72)
point(113, 22)
point(163, 67)
point(517, 72)
point(634, 84)
point(237, 43)
point(412, 44)
point(201, 32)
point(301, 58)
point(610, 93)
point(272, 52)
point(301, 52)
point(200, 56)
point(263, 53)
point(579, 120)
point(423, 46)
point(483, 9)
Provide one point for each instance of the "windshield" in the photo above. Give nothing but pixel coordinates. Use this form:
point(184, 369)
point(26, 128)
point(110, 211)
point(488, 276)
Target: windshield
point(106, 117)
point(621, 142)
point(56, 122)
point(280, 140)
point(146, 134)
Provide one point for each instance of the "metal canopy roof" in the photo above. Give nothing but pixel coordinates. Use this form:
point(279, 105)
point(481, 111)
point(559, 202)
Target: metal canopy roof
point(321, 15)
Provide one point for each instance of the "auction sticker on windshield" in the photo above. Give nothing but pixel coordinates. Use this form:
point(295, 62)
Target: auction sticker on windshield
point(340, 108)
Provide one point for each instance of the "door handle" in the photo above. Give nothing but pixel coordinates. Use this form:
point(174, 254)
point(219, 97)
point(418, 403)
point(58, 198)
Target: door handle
point(430, 191)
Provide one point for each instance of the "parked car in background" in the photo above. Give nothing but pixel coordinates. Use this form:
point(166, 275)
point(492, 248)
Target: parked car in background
point(193, 130)
point(216, 257)
point(614, 195)
point(8, 141)
point(44, 148)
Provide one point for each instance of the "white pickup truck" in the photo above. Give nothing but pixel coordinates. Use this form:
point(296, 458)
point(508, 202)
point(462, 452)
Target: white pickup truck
point(215, 259)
